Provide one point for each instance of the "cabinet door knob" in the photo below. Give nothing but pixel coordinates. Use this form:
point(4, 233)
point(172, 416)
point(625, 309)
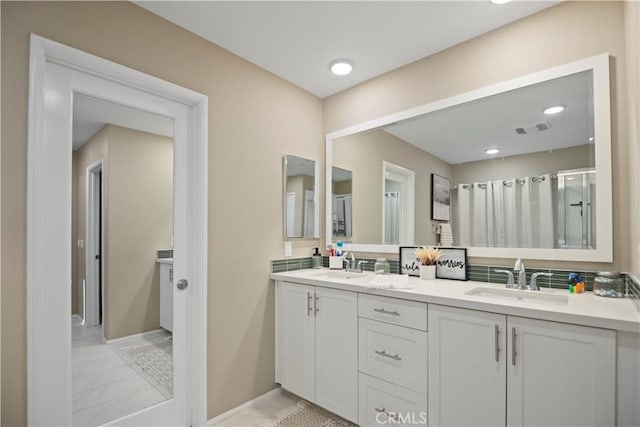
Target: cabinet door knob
point(182, 284)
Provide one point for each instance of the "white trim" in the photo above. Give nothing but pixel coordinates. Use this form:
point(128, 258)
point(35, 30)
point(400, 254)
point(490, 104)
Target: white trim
point(49, 222)
point(245, 405)
point(602, 124)
point(128, 337)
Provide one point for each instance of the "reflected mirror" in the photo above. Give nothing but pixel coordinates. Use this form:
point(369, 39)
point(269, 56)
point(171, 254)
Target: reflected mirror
point(522, 174)
point(300, 198)
point(122, 230)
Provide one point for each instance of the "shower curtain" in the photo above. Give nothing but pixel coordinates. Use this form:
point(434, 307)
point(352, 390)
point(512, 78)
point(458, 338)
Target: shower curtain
point(391, 220)
point(506, 213)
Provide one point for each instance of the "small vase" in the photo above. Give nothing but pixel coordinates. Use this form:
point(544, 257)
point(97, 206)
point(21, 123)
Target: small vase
point(427, 272)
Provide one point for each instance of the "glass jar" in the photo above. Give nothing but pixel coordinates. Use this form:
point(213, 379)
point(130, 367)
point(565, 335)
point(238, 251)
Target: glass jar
point(382, 266)
point(608, 284)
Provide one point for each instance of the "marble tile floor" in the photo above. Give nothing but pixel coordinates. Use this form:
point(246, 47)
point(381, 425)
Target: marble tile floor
point(104, 386)
point(260, 413)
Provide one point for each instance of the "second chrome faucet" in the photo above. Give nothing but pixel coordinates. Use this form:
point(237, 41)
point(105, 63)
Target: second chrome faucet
point(520, 270)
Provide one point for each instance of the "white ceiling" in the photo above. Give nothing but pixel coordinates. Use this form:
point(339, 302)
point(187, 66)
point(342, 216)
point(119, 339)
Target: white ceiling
point(462, 133)
point(299, 166)
point(92, 114)
point(297, 40)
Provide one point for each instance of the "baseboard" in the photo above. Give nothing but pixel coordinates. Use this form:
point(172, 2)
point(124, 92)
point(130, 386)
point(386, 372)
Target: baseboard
point(142, 334)
point(245, 405)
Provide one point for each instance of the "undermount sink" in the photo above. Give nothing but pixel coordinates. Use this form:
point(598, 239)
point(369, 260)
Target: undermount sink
point(341, 274)
point(517, 295)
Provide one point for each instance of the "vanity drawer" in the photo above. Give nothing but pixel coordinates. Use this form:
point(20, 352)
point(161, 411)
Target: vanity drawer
point(383, 403)
point(393, 310)
point(393, 353)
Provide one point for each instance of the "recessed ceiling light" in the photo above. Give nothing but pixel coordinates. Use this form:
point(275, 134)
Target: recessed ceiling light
point(341, 67)
point(590, 139)
point(492, 150)
point(500, 1)
point(553, 110)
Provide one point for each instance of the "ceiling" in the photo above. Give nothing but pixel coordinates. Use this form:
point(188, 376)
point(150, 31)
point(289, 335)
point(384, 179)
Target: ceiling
point(299, 166)
point(462, 133)
point(92, 114)
point(297, 40)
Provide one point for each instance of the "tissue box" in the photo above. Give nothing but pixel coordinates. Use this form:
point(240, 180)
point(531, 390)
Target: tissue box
point(335, 262)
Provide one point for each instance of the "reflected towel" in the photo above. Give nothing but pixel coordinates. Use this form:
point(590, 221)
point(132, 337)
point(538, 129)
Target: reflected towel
point(446, 235)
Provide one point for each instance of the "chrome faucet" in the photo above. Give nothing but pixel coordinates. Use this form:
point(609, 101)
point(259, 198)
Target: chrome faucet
point(533, 285)
point(351, 263)
point(522, 275)
point(509, 273)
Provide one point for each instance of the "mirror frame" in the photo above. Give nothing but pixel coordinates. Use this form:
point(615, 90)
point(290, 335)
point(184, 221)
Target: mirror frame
point(599, 65)
point(316, 198)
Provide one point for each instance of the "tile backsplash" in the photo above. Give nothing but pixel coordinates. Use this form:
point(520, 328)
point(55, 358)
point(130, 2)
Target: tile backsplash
point(475, 272)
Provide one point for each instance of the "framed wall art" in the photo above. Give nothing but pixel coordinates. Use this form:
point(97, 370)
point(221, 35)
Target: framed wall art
point(440, 198)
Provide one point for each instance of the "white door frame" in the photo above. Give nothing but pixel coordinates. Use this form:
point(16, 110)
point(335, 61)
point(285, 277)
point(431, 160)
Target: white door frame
point(93, 209)
point(55, 72)
point(407, 179)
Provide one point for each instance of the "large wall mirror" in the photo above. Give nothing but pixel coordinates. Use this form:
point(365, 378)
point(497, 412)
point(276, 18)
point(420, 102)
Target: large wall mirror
point(300, 195)
point(528, 161)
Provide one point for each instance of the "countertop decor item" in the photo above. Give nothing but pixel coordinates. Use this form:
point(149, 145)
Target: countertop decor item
point(609, 284)
point(452, 264)
point(428, 256)
point(408, 263)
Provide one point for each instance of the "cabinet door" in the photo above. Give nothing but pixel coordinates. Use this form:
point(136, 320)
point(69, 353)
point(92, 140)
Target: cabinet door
point(467, 367)
point(560, 375)
point(295, 338)
point(337, 351)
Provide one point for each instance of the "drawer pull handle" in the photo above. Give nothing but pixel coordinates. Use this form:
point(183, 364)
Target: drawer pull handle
point(497, 342)
point(383, 311)
point(390, 356)
point(513, 346)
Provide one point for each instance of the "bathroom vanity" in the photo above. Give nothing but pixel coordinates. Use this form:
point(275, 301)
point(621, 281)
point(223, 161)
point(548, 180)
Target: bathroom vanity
point(455, 353)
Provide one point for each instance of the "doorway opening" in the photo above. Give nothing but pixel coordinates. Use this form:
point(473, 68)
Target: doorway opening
point(398, 204)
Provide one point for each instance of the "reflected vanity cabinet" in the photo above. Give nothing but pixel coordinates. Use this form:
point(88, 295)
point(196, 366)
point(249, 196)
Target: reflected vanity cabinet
point(316, 346)
point(492, 369)
point(166, 296)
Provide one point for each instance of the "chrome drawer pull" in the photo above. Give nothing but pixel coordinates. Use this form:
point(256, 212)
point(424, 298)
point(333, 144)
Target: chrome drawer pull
point(513, 346)
point(309, 298)
point(385, 354)
point(497, 338)
point(383, 311)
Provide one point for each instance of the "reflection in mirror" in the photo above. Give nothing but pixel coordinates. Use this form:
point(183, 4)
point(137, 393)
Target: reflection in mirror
point(520, 177)
point(341, 189)
point(300, 203)
point(122, 295)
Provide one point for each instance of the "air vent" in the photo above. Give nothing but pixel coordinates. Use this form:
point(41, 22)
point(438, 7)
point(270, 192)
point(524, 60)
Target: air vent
point(534, 128)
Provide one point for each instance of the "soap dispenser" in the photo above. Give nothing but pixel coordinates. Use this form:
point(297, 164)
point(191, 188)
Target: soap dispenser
point(316, 259)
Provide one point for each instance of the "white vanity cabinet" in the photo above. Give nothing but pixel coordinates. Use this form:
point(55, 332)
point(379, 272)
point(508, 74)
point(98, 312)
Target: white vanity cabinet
point(492, 369)
point(166, 296)
point(316, 345)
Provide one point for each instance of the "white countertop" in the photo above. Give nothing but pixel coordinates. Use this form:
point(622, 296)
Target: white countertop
point(164, 260)
point(581, 309)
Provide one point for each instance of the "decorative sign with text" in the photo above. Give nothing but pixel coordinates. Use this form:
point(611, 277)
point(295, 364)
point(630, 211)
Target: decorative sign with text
point(409, 264)
point(452, 264)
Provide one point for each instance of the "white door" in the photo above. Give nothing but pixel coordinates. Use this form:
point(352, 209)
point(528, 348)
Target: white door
point(295, 324)
point(309, 213)
point(560, 375)
point(291, 215)
point(337, 351)
point(49, 247)
point(467, 367)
